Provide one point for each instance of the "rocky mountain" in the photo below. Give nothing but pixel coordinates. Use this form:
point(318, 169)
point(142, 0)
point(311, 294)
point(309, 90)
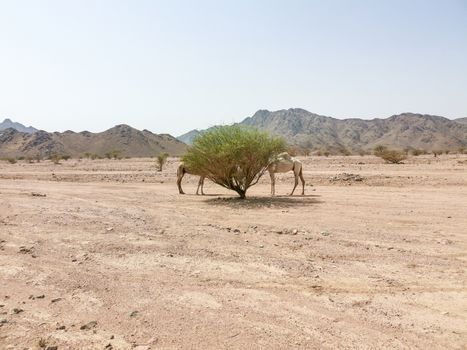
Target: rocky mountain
point(189, 136)
point(461, 120)
point(408, 130)
point(7, 123)
point(128, 141)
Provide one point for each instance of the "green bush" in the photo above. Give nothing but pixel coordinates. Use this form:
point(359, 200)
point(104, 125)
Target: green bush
point(11, 160)
point(234, 157)
point(161, 159)
point(345, 152)
point(115, 154)
point(418, 152)
point(379, 150)
point(56, 158)
point(393, 156)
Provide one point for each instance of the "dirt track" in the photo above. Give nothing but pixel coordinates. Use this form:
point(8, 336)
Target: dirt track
point(112, 248)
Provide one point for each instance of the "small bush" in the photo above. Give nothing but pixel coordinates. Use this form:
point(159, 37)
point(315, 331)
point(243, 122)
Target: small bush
point(56, 158)
point(418, 152)
point(379, 150)
point(362, 152)
point(11, 160)
point(65, 157)
point(344, 151)
point(393, 156)
point(161, 159)
point(115, 154)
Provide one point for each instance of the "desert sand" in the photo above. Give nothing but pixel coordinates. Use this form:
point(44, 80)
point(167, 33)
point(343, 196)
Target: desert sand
point(106, 254)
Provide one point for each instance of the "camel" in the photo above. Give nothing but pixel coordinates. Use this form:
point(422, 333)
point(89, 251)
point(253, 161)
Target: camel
point(181, 171)
point(284, 163)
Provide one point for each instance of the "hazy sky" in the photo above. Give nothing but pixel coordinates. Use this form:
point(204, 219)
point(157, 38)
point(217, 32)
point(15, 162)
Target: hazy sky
point(171, 66)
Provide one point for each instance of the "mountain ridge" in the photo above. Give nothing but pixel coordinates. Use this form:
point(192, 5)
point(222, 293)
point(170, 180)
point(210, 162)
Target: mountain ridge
point(130, 142)
point(8, 123)
point(312, 131)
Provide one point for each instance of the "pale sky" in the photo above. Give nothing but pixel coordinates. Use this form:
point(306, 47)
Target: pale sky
point(172, 66)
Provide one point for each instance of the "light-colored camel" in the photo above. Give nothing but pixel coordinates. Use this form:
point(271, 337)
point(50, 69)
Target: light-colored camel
point(181, 171)
point(284, 163)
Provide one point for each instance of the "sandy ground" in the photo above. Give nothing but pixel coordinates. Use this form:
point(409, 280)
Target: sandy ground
point(107, 255)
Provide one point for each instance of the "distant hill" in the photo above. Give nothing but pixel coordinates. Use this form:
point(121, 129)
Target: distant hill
point(461, 120)
point(408, 130)
point(7, 123)
point(189, 136)
point(129, 141)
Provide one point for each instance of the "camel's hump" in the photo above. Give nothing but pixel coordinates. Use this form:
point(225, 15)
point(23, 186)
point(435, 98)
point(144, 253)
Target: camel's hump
point(284, 155)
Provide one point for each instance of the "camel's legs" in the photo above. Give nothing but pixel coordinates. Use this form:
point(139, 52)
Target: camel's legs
point(273, 183)
point(295, 185)
point(179, 182)
point(303, 181)
point(200, 185)
point(296, 171)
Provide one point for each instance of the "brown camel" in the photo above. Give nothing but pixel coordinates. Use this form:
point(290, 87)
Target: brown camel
point(283, 164)
point(181, 171)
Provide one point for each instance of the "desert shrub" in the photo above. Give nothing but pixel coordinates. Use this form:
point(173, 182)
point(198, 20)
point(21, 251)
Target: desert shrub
point(21, 158)
point(393, 156)
point(379, 150)
point(161, 159)
point(362, 152)
point(418, 152)
point(94, 156)
point(461, 150)
point(306, 152)
point(344, 151)
point(115, 154)
point(66, 157)
point(234, 157)
point(326, 153)
point(11, 160)
point(87, 155)
point(56, 158)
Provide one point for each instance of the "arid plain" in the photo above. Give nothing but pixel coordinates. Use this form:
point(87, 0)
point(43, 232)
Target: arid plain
point(105, 254)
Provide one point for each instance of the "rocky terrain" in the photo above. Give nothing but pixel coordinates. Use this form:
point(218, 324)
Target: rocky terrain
point(106, 254)
point(316, 132)
point(7, 123)
point(129, 142)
